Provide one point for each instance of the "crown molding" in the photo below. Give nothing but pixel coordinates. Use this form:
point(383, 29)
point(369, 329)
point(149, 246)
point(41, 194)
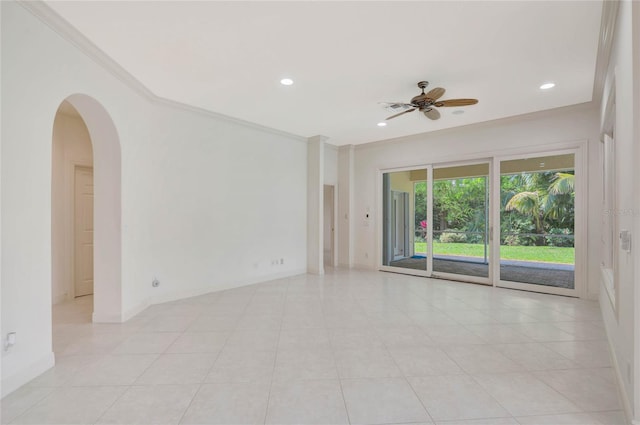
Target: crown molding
point(427, 136)
point(68, 32)
point(218, 116)
point(605, 44)
point(318, 138)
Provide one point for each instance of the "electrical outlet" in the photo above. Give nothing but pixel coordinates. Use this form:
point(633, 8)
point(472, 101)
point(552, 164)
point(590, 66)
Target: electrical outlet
point(10, 341)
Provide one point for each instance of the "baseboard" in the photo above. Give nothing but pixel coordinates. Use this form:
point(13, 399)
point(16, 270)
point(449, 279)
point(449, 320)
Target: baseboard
point(316, 271)
point(622, 392)
point(15, 381)
point(179, 295)
point(134, 311)
point(106, 317)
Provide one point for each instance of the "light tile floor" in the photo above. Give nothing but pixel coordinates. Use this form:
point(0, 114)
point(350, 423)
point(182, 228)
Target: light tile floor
point(349, 347)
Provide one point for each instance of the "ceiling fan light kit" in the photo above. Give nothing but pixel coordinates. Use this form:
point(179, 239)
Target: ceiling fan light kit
point(425, 103)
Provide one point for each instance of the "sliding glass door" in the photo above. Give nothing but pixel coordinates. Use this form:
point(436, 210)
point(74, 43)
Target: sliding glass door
point(435, 221)
point(440, 221)
point(537, 223)
point(404, 220)
point(461, 222)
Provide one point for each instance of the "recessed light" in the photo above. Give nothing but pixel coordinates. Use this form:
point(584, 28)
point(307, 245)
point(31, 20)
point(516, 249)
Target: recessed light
point(547, 86)
point(458, 112)
point(286, 81)
point(382, 124)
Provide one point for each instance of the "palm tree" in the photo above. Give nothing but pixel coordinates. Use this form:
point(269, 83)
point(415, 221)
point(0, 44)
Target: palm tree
point(529, 204)
point(550, 199)
point(562, 184)
point(560, 196)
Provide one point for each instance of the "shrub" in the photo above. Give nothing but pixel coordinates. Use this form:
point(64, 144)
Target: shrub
point(448, 237)
point(559, 241)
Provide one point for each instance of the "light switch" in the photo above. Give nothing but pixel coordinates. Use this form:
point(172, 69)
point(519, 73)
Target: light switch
point(625, 240)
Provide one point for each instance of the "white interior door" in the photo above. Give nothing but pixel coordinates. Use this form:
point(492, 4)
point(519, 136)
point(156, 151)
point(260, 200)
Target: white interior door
point(83, 231)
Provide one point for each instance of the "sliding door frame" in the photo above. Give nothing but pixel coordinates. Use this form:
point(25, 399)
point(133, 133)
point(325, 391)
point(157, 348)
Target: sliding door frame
point(579, 231)
point(454, 276)
point(578, 148)
point(380, 227)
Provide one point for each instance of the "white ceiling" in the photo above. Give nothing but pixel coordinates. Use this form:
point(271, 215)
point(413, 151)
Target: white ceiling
point(345, 57)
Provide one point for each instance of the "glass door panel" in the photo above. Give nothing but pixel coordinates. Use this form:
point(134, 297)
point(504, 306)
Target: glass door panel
point(537, 221)
point(404, 209)
point(460, 221)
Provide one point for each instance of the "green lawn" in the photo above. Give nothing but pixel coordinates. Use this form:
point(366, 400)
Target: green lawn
point(545, 254)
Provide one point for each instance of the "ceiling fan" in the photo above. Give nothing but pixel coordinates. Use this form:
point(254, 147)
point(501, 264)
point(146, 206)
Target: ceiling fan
point(427, 102)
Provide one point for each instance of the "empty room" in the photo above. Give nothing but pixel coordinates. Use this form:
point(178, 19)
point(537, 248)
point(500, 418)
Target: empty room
point(320, 212)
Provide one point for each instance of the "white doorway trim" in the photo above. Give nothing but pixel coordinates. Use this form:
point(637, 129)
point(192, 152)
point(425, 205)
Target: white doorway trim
point(82, 219)
point(69, 217)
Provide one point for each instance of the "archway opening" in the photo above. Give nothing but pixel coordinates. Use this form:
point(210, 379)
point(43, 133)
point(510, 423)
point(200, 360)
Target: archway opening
point(86, 210)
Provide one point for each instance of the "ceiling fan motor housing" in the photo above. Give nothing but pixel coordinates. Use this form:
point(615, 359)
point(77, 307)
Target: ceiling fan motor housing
point(420, 100)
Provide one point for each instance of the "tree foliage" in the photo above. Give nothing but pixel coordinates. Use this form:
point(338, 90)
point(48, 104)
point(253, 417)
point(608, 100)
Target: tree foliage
point(531, 204)
point(546, 199)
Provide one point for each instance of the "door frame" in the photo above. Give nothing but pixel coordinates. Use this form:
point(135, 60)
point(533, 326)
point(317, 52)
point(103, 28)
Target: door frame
point(580, 226)
point(454, 276)
point(73, 227)
point(70, 222)
point(334, 221)
point(380, 228)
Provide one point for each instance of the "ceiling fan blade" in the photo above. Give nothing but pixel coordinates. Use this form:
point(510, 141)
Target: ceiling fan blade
point(432, 114)
point(456, 102)
point(401, 113)
point(436, 93)
point(396, 103)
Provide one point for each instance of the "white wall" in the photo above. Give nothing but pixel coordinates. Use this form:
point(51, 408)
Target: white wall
point(207, 201)
point(622, 329)
point(230, 199)
point(71, 147)
point(545, 130)
point(330, 164)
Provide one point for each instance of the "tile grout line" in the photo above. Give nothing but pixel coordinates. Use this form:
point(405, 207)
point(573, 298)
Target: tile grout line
point(404, 377)
point(335, 365)
point(200, 385)
point(275, 358)
point(112, 404)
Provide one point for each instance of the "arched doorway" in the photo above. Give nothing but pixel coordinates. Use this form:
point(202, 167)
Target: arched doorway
point(102, 161)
